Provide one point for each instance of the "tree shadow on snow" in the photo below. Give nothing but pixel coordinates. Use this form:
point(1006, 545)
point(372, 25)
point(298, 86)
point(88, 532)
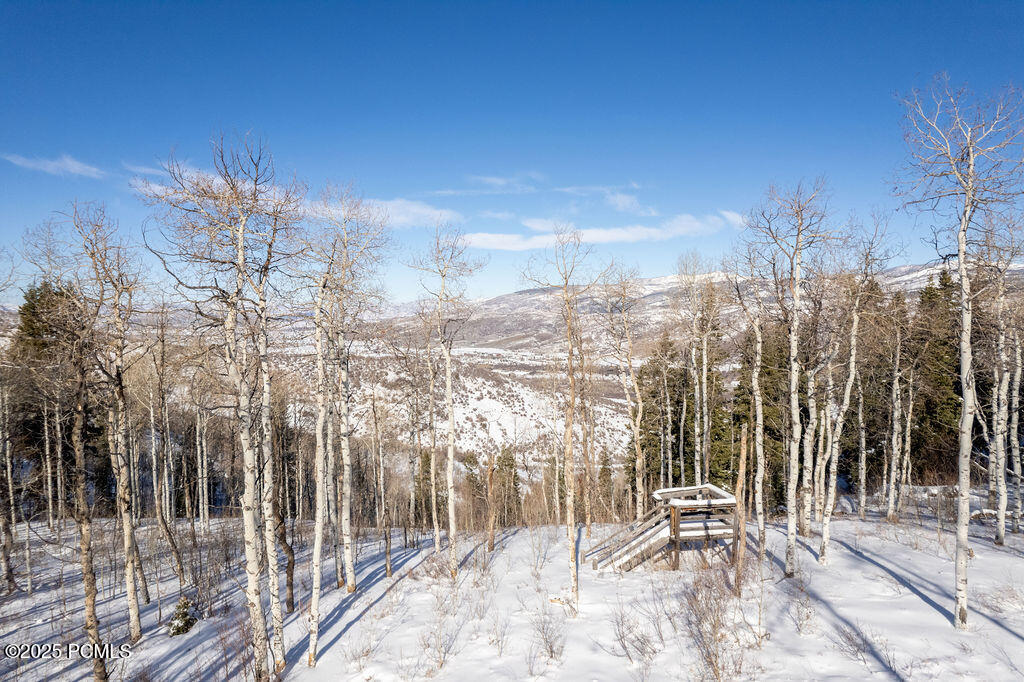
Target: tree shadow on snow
point(913, 587)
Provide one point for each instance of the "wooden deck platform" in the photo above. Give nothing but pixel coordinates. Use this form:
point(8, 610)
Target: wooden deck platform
point(681, 518)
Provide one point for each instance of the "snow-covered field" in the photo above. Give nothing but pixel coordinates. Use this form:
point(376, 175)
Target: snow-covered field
point(881, 609)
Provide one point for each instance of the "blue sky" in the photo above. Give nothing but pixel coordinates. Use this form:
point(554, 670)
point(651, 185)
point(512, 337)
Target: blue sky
point(651, 126)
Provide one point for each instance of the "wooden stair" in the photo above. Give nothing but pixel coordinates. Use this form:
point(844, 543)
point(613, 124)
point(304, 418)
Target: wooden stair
point(683, 517)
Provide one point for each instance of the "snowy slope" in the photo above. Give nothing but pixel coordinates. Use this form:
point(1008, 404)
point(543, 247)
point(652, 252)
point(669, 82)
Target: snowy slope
point(879, 610)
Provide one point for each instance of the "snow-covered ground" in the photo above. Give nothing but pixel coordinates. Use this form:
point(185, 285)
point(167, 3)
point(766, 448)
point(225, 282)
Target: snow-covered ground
point(880, 609)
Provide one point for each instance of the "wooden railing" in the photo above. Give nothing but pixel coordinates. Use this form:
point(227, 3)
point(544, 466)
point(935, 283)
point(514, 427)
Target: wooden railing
point(692, 514)
point(624, 536)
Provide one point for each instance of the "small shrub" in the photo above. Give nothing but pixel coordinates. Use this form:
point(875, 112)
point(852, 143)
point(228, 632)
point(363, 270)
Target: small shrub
point(183, 619)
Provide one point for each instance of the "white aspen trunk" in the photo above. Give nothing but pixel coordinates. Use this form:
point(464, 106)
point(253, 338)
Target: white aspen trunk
point(28, 551)
point(1002, 416)
point(59, 454)
point(896, 435)
point(705, 416)
point(804, 525)
point(556, 489)
point(300, 486)
point(133, 460)
point(320, 478)
point(7, 455)
point(170, 508)
point(115, 439)
point(199, 467)
point(990, 437)
point(206, 473)
point(345, 388)
point(698, 447)
point(453, 557)
point(836, 435)
point(139, 505)
point(661, 450)
point(824, 450)
point(235, 365)
point(84, 523)
point(158, 496)
point(6, 523)
point(755, 387)
point(415, 454)
point(1014, 430)
point(333, 500)
point(588, 453)
point(740, 524)
point(794, 412)
point(385, 511)
point(570, 464)
point(908, 422)
point(48, 461)
point(967, 416)
point(862, 454)
point(637, 401)
point(269, 487)
point(668, 422)
point(157, 504)
point(435, 520)
point(682, 437)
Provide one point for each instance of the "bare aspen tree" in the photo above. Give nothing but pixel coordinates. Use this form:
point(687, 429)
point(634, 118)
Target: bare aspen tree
point(748, 286)
point(77, 319)
point(895, 412)
point(358, 234)
point(965, 162)
point(158, 455)
point(869, 259)
point(998, 251)
point(740, 524)
point(587, 425)
point(689, 271)
point(791, 224)
point(320, 457)
point(700, 306)
point(7, 516)
point(622, 311)
point(428, 355)
point(271, 233)
point(563, 273)
point(48, 459)
point(810, 429)
point(114, 282)
point(219, 234)
point(378, 414)
point(405, 350)
point(445, 269)
point(1014, 427)
point(862, 451)
point(342, 254)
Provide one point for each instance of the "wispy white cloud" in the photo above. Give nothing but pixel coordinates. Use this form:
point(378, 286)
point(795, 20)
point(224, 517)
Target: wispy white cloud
point(520, 183)
point(412, 213)
point(142, 170)
point(680, 225)
point(584, 190)
point(509, 242)
point(546, 224)
point(498, 215)
point(628, 203)
point(62, 165)
point(491, 180)
point(733, 218)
